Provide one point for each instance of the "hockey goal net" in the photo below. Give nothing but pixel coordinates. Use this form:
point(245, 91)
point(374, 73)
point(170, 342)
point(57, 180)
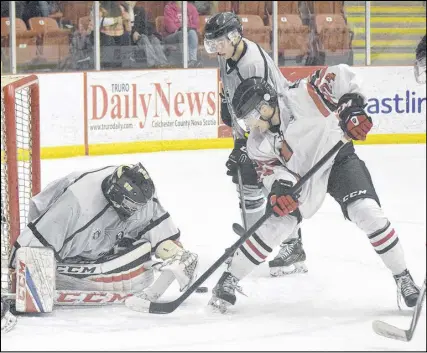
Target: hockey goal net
point(20, 161)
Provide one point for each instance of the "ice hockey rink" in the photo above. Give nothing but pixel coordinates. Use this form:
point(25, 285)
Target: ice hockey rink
point(329, 308)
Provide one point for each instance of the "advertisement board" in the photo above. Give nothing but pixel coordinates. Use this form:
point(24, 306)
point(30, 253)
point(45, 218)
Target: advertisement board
point(61, 114)
point(156, 105)
point(396, 103)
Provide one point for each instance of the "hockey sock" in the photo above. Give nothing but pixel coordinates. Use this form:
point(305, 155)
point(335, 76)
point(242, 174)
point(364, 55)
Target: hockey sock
point(370, 218)
point(255, 250)
point(249, 255)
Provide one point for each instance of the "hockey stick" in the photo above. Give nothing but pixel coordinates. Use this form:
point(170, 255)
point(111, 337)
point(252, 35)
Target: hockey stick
point(239, 174)
point(168, 307)
point(242, 198)
point(384, 329)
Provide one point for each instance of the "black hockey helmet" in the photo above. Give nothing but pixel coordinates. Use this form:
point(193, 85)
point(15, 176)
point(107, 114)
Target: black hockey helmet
point(222, 27)
point(222, 23)
point(128, 189)
point(251, 94)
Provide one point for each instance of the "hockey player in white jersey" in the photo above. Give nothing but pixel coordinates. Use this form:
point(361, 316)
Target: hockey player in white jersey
point(112, 219)
point(420, 61)
point(285, 144)
point(239, 59)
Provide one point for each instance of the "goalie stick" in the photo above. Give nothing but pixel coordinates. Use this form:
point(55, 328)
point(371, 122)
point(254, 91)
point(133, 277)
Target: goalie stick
point(168, 307)
point(384, 329)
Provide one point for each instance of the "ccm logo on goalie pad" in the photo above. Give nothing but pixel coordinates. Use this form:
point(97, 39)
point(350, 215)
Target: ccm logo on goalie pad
point(90, 298)
point(35, 280)
point(77, 270)
point(354, 194)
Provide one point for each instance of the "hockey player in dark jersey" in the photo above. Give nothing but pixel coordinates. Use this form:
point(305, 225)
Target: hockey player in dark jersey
point(240, 58)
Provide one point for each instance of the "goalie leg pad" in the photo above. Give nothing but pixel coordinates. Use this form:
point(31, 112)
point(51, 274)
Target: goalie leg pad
point(35, 280)
point(129, 271)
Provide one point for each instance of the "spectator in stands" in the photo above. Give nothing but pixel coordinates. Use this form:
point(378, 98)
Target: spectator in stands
point(112, 24)
point(173, 28)
point(35, 9)
point(81, 53)
point(304, 12)
point(19, 8)
point(206, 8)
point(144, 36)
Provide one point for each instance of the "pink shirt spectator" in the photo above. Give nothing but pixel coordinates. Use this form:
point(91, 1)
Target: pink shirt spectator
point(173, 17)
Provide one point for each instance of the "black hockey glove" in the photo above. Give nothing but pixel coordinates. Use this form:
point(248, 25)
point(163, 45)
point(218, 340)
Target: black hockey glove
point(239, 159)
point(281, 200)
point(353, 119)
point(225, 113)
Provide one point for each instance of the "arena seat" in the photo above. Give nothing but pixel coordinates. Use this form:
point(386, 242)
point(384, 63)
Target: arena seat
point(26, 41)
point(55, 42)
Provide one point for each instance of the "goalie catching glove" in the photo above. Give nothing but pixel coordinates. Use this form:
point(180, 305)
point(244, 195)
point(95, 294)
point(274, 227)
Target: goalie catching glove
point(353, 119)
point(182, 263)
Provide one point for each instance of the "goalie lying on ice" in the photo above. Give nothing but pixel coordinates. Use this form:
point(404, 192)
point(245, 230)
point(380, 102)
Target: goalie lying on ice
point(102, 226)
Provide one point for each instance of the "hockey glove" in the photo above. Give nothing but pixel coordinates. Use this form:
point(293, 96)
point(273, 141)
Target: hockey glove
point(281, 200)
point(353, 119)
point(239, 159)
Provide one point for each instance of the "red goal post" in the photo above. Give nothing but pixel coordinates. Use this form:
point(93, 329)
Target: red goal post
point(20, 160)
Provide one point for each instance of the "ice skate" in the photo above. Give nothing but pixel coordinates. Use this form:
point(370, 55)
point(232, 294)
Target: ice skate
point(289, 260)
point(223, 294)
point(406, 289)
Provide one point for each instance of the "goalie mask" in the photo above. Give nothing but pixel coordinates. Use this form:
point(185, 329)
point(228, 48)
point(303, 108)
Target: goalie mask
point(255, 99)
point(128, 189)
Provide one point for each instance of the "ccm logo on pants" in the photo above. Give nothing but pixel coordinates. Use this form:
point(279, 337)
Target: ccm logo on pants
point(353, 194)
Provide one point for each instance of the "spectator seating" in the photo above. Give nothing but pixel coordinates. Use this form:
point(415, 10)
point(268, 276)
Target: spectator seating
point(73, 10)
point(251, 8)
point(334, 37)
point(293, 41)
point(54, 41)
point(326, 7)
point(224, 6)
point(255, 30)
point(26, 41)
point(288, 7)
point(153, 9)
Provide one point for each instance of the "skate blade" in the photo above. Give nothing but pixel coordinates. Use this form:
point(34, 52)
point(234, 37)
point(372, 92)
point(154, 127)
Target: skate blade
point(219, 305)
point(298, 267)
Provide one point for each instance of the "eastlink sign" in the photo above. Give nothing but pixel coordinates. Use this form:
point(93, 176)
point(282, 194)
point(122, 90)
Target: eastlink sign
point(410, 103)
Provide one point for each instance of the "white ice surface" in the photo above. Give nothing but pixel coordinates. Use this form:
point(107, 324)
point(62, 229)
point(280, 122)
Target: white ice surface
point(329, 308)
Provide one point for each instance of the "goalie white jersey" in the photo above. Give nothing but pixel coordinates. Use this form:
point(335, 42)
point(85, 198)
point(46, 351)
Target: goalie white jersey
point(306, 135)
point(73, 217)
point(253, 62)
